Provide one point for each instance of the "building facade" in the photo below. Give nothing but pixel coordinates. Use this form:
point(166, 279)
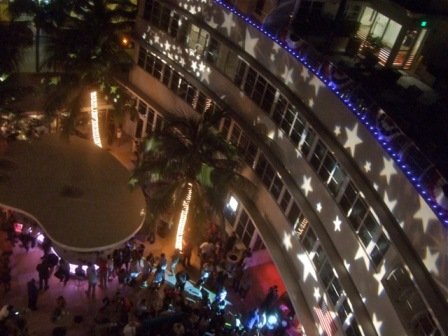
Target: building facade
point(347, 206)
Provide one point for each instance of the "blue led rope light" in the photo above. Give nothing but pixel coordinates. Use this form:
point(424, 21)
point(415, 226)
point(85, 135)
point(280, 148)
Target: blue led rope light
point(436, 208)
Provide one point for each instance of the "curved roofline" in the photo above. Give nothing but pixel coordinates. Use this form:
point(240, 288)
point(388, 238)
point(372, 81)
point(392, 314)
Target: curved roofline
point(67, 247)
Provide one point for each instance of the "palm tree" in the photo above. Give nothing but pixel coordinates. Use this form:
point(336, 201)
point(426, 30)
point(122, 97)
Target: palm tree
point(187, 165)
point(14, 36)
point(38, 13)
point(86, 53)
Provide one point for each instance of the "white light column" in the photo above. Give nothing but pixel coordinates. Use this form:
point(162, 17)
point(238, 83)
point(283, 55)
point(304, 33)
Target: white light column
point(94, 119)
point(183, 218)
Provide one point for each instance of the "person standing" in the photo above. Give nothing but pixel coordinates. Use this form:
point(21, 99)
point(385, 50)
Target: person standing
point(204, 275)
point(59, 310)
point(110, 267)
point(44, 273)
point(162, 265)
point(174, 261)
point(270, 299)
point(33, 293)
point(63, 271)
point(131, 328)
point(91, 280)
point(181, 279)
point(188, 250)
point(102, 272)
point(146, 264)
point(159, 278)
point(230, 243)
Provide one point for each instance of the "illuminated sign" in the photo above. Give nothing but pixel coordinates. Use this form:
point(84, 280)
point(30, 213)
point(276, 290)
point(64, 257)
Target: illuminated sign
point(183, 218)
point(94, 119)
point(301, 226)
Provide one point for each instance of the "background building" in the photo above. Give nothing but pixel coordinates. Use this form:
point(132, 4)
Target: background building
point(350, 210)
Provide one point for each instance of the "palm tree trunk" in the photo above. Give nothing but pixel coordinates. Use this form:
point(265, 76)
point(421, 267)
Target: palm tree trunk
point(183, 218)
point(37, 56)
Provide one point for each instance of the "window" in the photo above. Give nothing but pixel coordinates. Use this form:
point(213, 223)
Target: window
point(174, 25)
point(268, 98)
point(149, 65)
point(286, 199)
point(353, 329)
point(166, 76)
point(158, 69)
point(175, 81)
point(141, 57)
point(239, 76)
point(318, 155)
point(297, 130)
point(276, 187)
point(260, 86)
point(336, 178)
point(245, 228)
point(288, 119)
point(327, 168)
point(344, 310)
point(348, 198)
point(212, 52)
point(335, 291)
point(201, 103)
point(191, 94)
point(225, 129)
point(235, 136)
point(147, 10)
point(318, 257)
point(198, 39)
point(150, 120)
point(357, 213)
point(247, 149)
point(139, 128)
point(309, 240)
point(279, 110)
point(230, 64)
point(379, 249)
point(261, 166)
point(258, 245)
point(308, 138)
point(293, 214)
point(155, 14)
point(142, 107)
point(249, 83)
point(164, 21)
point(268, 176)
point(326, 274)
point(369, 230)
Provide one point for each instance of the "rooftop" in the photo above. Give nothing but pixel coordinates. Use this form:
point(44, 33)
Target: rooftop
point(49, 178)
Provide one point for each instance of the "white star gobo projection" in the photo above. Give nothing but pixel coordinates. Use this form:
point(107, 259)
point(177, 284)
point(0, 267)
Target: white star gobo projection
point(306, 185)
point(190, 58)
point(352, 139)
point(192, 6)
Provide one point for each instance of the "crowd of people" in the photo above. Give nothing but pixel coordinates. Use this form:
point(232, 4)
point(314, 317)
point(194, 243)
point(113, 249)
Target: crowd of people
point(154, 307)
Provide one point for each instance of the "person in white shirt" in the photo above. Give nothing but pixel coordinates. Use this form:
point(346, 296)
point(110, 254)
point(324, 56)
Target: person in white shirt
point(130, 329)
